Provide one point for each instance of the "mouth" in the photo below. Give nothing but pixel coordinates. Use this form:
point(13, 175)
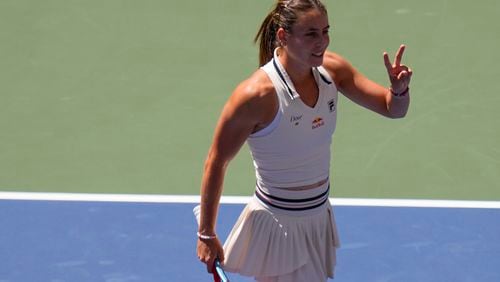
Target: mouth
point(318, 55)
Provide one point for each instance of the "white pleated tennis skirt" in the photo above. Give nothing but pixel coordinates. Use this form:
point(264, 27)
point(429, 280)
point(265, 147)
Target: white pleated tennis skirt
point(267, 241)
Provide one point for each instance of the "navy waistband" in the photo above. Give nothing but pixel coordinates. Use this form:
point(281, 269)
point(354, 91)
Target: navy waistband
point(292, 204)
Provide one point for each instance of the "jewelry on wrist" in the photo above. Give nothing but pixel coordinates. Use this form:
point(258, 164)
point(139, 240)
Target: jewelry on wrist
point(205, 237)
point(402, 94)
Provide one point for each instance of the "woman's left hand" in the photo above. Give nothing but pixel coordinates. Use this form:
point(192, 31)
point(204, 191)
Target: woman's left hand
point(399, 74)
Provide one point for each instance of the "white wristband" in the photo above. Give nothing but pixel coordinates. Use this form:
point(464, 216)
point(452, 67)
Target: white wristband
point(205, 237)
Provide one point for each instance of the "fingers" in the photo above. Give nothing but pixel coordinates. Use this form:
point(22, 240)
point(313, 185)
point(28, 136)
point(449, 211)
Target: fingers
point(211, 265)
point(399, 74)
point(405, 73)
point(387, 62)
point(399, 55)
point(221, 257)
point(209, 251)
point(209, 261)
point(402, 75)
point(397, 59)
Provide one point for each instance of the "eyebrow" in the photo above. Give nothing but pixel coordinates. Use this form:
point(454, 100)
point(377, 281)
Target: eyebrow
point(314, 29)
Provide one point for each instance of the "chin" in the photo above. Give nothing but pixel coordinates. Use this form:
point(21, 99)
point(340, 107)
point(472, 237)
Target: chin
point(316, 61)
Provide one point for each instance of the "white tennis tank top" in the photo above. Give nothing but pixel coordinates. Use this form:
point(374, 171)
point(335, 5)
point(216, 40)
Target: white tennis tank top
point(294, 150)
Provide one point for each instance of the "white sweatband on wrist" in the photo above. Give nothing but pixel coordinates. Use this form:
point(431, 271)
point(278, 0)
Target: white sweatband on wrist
point(205, 237)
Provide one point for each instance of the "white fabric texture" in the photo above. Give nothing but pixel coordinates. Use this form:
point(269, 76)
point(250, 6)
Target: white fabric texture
point(267, 242)
point(295, 149)
point(309, 272)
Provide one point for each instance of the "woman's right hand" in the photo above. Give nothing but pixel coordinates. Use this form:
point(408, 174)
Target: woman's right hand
point(208, 250)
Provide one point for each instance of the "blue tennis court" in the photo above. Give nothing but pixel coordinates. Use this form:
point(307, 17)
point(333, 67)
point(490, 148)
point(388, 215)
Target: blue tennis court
point(115, 241)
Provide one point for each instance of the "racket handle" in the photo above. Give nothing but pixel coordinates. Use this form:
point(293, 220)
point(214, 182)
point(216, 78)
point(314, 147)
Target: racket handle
point(216, 277)
point(218, 272)
point(215, 273)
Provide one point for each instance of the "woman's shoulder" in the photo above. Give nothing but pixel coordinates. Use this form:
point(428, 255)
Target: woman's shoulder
point(333, 60)
point(258, 84)
point(337, 66)
point(257, 88)
point(255, 97)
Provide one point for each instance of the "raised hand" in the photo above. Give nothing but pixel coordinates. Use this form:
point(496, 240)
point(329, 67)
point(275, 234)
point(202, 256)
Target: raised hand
point(399, 74)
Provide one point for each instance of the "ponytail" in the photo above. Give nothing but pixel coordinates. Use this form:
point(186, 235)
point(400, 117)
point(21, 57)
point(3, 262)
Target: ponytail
point(266, 38)
point(284, 15)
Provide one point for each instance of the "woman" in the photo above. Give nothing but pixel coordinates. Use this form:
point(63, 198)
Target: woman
point(286, 111)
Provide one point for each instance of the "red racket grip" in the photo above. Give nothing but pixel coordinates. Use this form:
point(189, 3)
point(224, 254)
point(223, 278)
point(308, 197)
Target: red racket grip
point(216, 275)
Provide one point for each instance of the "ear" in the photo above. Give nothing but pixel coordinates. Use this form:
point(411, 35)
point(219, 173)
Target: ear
point(281, 36)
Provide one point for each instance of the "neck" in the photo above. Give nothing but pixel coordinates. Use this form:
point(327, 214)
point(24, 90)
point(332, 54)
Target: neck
point(298, 73)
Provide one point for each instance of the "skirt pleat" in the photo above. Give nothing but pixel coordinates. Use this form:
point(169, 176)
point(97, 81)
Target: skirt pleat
point(272, 242)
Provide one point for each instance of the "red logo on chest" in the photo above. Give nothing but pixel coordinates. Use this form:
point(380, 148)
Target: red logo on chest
point(317, 122)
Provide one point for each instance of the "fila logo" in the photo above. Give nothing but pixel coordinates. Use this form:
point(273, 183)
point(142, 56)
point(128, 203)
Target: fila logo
point(295, 119)
point(317, 122)
point(331, 105)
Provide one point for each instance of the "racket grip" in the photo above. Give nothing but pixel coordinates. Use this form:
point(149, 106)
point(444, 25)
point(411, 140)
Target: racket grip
point(215, 273)
point(216, 276)
point(218, 272)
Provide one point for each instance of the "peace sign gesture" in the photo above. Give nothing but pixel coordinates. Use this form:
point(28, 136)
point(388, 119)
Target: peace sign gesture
point(399, 74)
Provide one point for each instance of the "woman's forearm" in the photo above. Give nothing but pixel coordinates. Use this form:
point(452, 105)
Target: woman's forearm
point(211, 190)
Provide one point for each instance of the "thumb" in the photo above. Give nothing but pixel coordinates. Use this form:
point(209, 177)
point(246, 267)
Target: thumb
point(221, 256)
point(211, 265)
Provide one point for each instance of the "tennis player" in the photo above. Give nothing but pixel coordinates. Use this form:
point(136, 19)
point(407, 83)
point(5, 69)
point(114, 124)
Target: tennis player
point(286, 112)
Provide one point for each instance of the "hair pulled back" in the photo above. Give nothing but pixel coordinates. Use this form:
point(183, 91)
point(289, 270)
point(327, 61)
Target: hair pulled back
point(284, 15)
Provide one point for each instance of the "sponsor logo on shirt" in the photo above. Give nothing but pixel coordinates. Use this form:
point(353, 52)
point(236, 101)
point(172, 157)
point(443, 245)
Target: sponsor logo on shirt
point(331, 105)
point(317, 122)
point(295, 119)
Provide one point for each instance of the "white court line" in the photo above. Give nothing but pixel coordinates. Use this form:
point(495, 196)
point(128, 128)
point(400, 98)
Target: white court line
point(136, 198)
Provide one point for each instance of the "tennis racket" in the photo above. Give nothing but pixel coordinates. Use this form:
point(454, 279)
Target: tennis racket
point(218, 272)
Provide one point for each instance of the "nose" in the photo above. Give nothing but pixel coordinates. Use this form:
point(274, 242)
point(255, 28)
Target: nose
point(326, 39)
point(323, 42)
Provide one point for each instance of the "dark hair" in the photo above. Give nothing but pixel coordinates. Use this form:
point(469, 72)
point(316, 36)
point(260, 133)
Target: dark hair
point(284, 15)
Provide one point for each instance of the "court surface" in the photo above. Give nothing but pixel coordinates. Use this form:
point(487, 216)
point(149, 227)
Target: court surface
point(124, 241)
